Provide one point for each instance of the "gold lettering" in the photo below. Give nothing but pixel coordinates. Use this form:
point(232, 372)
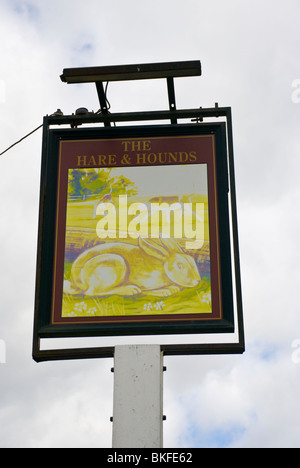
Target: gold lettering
point(126, 143)
point(193, 157)
point(81, 161)
point(147, 145)
point(162, 157)
point(173, 157)
point(152, 158)
point(92, 161)
point(112, 160)
point(183, 157)
point(137, 145)
point(101, 160)
point(126, 159)
point(141, 158)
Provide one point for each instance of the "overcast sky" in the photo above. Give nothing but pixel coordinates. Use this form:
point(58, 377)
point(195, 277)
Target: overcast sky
point(250, 58)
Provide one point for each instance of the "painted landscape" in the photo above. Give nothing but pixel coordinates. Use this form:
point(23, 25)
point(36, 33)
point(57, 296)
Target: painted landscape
point(86, 253)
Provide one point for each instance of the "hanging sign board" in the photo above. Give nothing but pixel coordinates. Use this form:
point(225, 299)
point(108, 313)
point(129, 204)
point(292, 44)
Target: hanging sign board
point(134, 232)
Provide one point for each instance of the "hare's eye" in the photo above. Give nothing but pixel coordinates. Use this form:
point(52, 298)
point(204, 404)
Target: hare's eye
point(179, 266)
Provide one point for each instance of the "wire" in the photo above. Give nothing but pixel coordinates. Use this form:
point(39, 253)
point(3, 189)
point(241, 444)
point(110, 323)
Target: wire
point(58, 112)
point(106, 100)
point(55, 113)
point(19, 141)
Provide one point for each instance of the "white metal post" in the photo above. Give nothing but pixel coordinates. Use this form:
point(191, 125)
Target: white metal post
point(138, 397)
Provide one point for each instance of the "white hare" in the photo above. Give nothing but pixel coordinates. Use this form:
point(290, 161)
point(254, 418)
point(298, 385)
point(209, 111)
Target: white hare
point(159, 268)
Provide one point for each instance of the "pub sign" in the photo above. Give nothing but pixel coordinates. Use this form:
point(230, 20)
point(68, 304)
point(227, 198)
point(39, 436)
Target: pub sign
point(134, 234)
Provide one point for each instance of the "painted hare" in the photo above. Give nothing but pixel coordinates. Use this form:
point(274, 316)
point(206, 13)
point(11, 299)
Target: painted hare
point(158, 268)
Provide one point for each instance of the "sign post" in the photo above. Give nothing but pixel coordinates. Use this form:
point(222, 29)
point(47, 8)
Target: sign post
point(138, 397)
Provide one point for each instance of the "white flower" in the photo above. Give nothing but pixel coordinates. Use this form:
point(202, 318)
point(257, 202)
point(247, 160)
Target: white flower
point(72, 314)
point(159, 305)
point(80, 307)
point(206, 298)
point(92, 311)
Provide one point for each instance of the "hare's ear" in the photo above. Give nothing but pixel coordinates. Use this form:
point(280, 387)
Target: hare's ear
point(171, 245)
point(152, 249)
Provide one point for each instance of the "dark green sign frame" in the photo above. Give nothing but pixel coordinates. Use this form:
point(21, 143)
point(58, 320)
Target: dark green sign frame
point(61, 147)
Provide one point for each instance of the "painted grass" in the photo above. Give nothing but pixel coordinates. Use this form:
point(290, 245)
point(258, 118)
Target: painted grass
point(187, 301)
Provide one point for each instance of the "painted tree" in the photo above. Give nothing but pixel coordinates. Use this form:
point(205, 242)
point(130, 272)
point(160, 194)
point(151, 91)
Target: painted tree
point(97, 183)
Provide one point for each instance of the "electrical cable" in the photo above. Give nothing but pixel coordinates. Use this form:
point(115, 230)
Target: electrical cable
point(107, 101)
point(19, 141)
point(58, 112)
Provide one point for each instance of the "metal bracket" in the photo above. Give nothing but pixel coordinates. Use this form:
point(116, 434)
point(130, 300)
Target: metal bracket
point(102, 100)
point(98, 75)
point(171, 93)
